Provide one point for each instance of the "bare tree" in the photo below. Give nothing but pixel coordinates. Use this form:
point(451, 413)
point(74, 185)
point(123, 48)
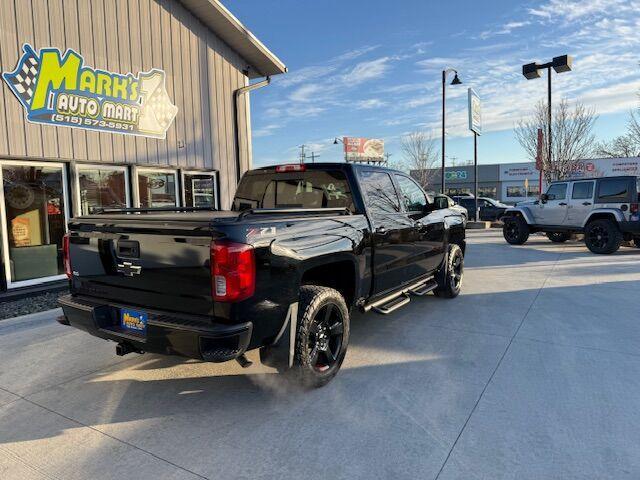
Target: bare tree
point(623, 146)
point(419, 156)
point(572, 137)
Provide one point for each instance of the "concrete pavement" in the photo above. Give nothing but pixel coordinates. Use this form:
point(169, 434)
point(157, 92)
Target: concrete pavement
point(533, 372)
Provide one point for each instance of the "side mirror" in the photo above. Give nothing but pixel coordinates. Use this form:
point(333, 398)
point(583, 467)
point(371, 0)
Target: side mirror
point(429, 207)
point(544, 197)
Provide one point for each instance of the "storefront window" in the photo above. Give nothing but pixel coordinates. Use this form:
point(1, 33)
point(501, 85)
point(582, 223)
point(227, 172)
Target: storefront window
point(453, 191)
point(489, 192)
point(101, 188)
point(157, 189)
point(515, 192)
point(199, 189)
point(34, 208)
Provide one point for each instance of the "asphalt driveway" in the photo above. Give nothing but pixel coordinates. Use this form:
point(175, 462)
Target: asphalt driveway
point(532, 373)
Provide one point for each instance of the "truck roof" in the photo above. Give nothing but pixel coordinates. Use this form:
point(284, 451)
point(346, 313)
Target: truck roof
point(338, 165)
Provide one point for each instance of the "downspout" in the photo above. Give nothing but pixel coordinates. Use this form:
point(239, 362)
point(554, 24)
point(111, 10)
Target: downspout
point(236, 113)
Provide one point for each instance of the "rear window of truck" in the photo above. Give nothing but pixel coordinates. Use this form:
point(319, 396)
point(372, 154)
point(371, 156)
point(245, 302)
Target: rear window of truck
point(309, 189)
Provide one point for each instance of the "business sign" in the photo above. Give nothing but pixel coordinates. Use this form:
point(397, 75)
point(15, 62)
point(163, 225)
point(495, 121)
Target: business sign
point(475, 112)
point(455, 175)
point(363, 149)
point(605, 167)
point(517, 172)
point(61, 90)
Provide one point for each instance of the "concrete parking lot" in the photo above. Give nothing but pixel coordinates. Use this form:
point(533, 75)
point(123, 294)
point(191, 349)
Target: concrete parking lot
point(532, 373)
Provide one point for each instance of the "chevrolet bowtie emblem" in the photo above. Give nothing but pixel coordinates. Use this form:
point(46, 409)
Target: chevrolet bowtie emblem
point(128, 269)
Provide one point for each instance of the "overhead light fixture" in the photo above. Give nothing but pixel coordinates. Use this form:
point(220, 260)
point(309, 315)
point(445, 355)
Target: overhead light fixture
point(531, 71)
point(456, 80)
point(562, 63)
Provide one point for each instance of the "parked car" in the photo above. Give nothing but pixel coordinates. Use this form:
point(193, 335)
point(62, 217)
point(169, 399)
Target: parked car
point(443, 201)
point(604, 209)
point(302, 246)
point(490, 210)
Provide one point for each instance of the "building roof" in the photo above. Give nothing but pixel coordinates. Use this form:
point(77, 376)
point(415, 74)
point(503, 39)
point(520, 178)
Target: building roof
point(224, 24)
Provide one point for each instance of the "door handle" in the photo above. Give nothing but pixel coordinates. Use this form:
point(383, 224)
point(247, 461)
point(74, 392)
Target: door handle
point(382, 231)
point(562, 204)
point(586, 203)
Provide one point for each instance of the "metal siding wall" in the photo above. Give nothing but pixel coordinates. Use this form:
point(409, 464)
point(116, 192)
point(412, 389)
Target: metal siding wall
point(132, 36)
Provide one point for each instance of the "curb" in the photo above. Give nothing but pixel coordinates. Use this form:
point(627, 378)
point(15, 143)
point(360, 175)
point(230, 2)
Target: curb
point(32, 317)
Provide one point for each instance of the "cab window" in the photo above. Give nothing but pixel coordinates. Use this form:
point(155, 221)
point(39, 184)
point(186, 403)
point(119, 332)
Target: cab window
point(557, 191)
point(379, 191)
point(412, 196)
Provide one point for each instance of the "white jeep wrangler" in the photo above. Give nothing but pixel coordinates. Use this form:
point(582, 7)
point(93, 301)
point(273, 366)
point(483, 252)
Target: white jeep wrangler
point(604, 209)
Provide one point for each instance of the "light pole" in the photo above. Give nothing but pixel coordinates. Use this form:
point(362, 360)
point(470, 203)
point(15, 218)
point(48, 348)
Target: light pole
point(455, 81)
point(335, 142)
point(530, 71)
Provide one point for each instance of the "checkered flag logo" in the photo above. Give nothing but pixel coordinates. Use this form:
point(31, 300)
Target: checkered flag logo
point(160, 103)
point(22, 80)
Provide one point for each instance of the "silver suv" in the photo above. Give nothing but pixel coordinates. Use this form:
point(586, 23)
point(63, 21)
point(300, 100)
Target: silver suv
point(604, 209)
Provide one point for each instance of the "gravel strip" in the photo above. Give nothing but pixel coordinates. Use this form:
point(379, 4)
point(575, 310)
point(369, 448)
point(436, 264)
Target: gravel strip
point(24, 306)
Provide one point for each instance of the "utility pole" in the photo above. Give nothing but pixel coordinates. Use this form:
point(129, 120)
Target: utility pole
point(303, 155)
point(313, 157)
point(386, 157)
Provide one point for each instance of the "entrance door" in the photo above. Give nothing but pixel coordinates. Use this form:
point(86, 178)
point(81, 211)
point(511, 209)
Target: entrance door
point(34, 214)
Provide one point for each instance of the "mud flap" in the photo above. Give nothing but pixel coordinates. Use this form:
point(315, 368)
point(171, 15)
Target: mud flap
point(280, 353)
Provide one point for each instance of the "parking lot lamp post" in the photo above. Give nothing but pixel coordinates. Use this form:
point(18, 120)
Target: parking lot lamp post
point(335, 142)
point(455, 81)
point(530, 71)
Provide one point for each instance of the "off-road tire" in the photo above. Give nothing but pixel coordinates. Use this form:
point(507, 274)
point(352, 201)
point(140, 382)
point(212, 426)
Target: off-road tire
point(449, 277)
point(558, 237)
point(313, 300)
point(515, 230)
point(602, 236)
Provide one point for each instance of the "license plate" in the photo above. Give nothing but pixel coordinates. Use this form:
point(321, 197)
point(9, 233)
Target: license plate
point(133, 321)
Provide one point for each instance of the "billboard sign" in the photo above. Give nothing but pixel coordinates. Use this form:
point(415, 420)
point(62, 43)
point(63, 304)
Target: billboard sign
point(363, 149)
point(61, 90)
point(475, 112)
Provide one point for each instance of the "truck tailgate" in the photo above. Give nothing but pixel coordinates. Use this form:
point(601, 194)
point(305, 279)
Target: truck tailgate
point(162, 267)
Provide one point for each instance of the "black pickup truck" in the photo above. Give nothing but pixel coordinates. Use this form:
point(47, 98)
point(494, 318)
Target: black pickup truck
point(302, 246)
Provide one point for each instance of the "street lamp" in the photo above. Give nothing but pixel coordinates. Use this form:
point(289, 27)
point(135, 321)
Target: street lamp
point(455, 81)
point(530, 71)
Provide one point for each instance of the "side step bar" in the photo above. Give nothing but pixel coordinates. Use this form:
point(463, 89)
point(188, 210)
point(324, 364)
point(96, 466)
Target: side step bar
point(400, 298)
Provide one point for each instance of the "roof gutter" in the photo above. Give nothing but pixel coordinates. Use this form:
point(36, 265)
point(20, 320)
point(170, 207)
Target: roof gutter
point(236, 113)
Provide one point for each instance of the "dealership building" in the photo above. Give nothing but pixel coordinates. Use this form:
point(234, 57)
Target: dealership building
point(110, 104)
point(516, 182)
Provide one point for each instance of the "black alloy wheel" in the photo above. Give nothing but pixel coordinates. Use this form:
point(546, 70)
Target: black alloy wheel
point(515, 230)
point(325, 337)
point(602, 236)
point(598, 237)
point(322, 336)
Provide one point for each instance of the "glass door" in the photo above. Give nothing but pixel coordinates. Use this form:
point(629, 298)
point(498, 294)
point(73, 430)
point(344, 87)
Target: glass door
point(34, 219)
point(199, 189)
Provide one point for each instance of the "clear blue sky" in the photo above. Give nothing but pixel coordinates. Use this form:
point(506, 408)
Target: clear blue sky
point(372, 69)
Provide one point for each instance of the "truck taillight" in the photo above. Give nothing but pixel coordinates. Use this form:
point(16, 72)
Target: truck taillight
point(291, 167)
point(233, 271)
point(65, 256)
point(633, 208)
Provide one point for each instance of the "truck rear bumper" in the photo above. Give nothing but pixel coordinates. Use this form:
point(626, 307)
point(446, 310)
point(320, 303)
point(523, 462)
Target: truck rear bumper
point(165, 333)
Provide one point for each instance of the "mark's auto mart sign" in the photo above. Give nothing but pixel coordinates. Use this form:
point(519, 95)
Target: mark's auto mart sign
point(62, 90)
